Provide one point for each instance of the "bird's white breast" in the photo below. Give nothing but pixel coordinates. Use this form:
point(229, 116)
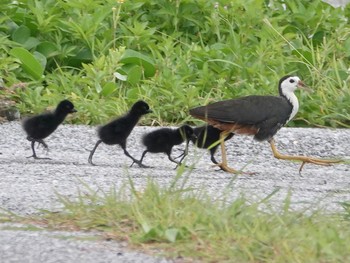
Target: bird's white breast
point(295, 104)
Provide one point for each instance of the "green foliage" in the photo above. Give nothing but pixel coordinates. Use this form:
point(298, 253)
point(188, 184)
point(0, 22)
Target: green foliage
point(29, 63)
point(177, 54)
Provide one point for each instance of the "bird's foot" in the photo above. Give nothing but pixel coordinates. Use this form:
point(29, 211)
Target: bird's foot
point(139, 164)
point(316, 161)
point(226, 168)
point(303, 159)
point(306, 159)
point(184, 165)
point(90, 162)
point(44, 145)
point(181, 155)
point(38, 158)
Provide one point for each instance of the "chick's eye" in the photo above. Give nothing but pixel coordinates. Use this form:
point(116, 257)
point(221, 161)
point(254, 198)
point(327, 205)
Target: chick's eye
point(292, 81)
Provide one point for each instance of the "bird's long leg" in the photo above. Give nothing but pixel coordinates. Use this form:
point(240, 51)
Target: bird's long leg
point(223, 165)
point(171, 159)
point(142, 156)
point(181, 155)
point(134, 160)
point(212, 158)
point(303, 159)
point(93, 151)
point(184, 154)
point(46, 147)
point(33, 149)
point(43, 143)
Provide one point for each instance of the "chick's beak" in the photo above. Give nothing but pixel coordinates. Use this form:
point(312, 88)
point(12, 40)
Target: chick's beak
point(73, 110)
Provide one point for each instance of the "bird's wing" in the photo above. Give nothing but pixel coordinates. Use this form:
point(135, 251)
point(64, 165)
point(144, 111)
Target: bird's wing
point(246, 110)
point(120, 127)
point(157, 137)
point(38, 122)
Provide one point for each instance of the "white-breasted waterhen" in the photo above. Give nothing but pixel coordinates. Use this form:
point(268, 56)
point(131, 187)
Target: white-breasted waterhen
point(261, 116)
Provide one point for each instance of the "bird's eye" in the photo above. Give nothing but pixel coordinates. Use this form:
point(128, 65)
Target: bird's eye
point(292, 81)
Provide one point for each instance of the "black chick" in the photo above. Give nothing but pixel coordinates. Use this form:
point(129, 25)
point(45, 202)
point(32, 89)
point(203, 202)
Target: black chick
point(40, 126)
point(117, 131)
point(164, 139)
point(206, 137)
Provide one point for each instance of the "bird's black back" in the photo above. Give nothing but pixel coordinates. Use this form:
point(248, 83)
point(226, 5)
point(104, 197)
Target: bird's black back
point(267, 114)
point(161, 140)
point(41, 126)
point(118, 130)
point(250, 110)
point(164, 139)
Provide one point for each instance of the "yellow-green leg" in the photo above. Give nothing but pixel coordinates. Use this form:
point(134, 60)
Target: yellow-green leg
point(303, 159)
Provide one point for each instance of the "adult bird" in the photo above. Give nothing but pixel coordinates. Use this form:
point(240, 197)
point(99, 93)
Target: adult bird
point(261, 116)
point(118, 130)
point(208, 137)
point(41, 126)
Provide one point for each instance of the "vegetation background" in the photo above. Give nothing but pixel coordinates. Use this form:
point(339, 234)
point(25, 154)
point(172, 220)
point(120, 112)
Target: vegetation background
point(104, 55)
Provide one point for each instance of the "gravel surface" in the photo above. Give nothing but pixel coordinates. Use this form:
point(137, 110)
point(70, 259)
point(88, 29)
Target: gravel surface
point(27, 185)
point(17, 245)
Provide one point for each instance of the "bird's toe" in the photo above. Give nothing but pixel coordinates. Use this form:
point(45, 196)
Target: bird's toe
point(228, 169)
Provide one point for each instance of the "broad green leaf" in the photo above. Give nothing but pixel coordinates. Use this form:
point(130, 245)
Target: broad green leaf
point(21, 34)
point(304, 55)
point(133, 73)
point(347, 46)
point(317, 38)
point(108, 88)
point(120, 76)
point(29, 63)
point(31, 42)
point(48, 49)
point(83, 56)
point(133, 57)
point(133, 93)
point(41, 58)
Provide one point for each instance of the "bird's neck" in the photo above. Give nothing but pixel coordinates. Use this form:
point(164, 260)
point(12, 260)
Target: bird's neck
point(60, 116)
point(132, 118)
point(293, 100)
